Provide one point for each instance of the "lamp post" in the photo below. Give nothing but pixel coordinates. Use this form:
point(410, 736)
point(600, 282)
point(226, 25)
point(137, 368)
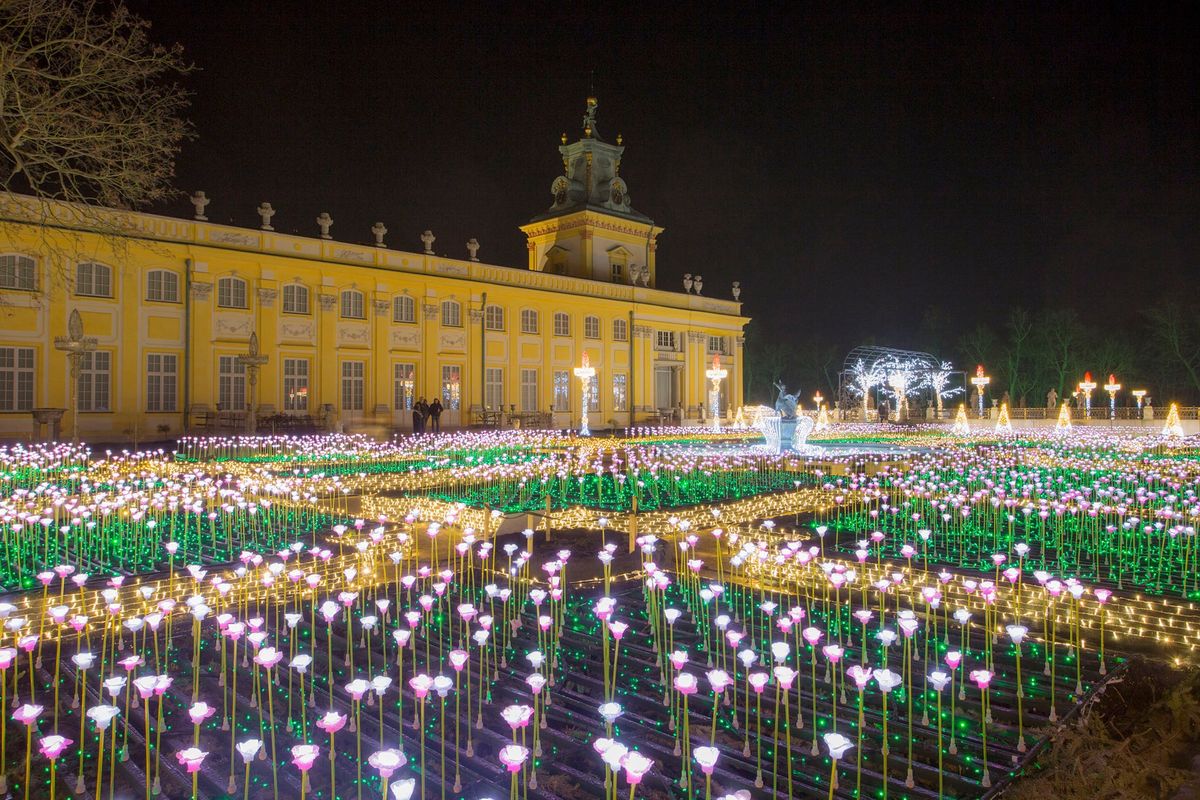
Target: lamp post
point(1112, 387)
point(585, 372)
point(1140, 396)
point(75, 344)
point(980, 382)
point(1087, 386)
point(715, 375)
point(251, 361)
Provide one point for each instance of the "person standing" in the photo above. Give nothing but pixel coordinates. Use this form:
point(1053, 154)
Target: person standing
point(435, 414)
point(419, 416)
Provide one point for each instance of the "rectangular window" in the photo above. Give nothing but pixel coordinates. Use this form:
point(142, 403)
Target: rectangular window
point(451, 387)
point(620, 397)
point(162, 286)
point(493, 388)
point(295, 299)
point(162, 376)
point(529, 390)
point(664, 340)
point(562, 390)
point(353, 385)
point(231, 384)
point(404, 378)
point(295, 384)
point(493, 318)
point(231, 293)
point(93, 280)
point(591, 327)
point(18, 272)
point(16, 378)
point(529, 320)
point(562, 325)
point(620, 330)
point(352, 305)
point(404, 309)
point(618, 272)
point(451, 314)
point(716, 344)
point(95, 380)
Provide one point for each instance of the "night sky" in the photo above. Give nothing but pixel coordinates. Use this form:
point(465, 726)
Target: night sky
point(850, 168)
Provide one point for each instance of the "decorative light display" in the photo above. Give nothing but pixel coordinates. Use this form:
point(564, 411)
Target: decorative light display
point(1086, 387)
point(980, 382)
point(1112, 387)
point(331, 616)
point(585, 372)
point(1139, 395)
point(715, 375)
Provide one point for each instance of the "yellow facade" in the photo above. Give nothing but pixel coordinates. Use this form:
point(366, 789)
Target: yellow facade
point(172, 302)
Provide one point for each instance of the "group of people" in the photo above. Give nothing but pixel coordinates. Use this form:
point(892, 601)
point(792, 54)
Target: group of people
point(423, 411)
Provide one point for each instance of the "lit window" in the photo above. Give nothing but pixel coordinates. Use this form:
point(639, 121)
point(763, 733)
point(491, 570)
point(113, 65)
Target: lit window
point(295, 384)
point(620, 397)
point(405, 385)
point(451, 387)
point(562, 390)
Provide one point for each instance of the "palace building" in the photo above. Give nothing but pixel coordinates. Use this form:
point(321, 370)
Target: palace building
point(348, 335)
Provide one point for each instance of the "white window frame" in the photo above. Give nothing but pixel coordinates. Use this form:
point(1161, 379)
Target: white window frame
point(94, 393)
point(231, 384)
point(666, 340)
point(162, 383)
point(295, 384)
point(354, 385)
point(18, 272)
point(17, 378)
point(167, 288)
point(232, 293)
point(562, 323)
point(493, 318)
point(93, 279)
point(529, 320)
point(296, 299)
point(353, 304)
point(493, 388)
point(716, 345)
point(620, 330)
point(451, 314)
point(594, 392)
point(562, 390)
point(591, 327)
point(620, 391)
point(529, 390)
point(404, 385)
point(452, 387)
point(404, 309)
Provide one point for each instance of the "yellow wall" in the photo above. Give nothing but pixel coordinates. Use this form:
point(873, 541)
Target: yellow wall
point(198, 331)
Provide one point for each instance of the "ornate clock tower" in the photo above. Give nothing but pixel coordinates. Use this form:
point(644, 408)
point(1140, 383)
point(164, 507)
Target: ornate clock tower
point(591, 231)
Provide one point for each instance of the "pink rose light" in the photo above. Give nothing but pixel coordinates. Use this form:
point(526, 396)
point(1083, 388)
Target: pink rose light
point(706, 757)
point(27, 714)
point(332, 722)
point(191, 758)
point(303, 756)
point(53, 746)
point(386, 762)
point(636, 766)
point(513, 757)
point(686, 683)
point(200, 712)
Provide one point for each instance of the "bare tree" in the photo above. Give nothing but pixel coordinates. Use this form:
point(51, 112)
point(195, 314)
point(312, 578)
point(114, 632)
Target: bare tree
point(1175, 336)
point(89, 113)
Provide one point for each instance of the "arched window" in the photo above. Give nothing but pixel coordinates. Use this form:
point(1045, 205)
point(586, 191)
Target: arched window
point(18, 272)
point(352, 304)
point(162, 286)
point(493, 318)
point(562, 324)
point(620, 330)
point(295, 299)
point(529, 320)
point(404, 309)
point(93, 280)
point(451, 314)
point(591, 327)
point(231, 293)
